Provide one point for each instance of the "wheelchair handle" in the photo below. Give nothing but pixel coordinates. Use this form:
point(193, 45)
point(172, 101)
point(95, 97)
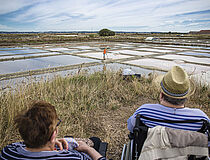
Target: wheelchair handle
point(138, 120)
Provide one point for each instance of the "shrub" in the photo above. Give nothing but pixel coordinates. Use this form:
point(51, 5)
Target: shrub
point(106, 32)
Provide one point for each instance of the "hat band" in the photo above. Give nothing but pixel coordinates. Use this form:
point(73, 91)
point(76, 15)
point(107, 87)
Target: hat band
point(172, 94)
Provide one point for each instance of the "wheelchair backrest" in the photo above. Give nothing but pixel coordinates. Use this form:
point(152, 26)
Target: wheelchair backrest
point(140, 130)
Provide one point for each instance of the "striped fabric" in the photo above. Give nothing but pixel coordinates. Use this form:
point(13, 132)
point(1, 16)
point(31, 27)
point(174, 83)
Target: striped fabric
point(16, 151)
point(72, 143)
point(161, 112)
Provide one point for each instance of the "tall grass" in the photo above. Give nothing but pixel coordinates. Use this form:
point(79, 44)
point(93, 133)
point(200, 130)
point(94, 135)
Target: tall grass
point(89, 105)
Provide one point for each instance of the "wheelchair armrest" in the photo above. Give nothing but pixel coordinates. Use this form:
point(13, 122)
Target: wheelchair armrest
point(103, 148)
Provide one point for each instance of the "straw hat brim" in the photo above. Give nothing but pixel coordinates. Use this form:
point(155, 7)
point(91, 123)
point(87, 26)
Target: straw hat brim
point(191, 90)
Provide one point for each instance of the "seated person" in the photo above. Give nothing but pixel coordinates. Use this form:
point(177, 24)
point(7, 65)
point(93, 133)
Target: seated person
point(175, 88)
point(38, 127)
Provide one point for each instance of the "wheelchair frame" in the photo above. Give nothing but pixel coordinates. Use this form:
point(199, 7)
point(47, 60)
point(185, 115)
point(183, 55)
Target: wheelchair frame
point(132, 150)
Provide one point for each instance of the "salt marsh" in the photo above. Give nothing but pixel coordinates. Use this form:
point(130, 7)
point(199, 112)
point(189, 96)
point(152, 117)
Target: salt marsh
point(141, 57)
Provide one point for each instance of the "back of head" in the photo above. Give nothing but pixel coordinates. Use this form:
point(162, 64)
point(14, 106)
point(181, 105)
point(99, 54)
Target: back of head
point(174, 101)
point(37, 124)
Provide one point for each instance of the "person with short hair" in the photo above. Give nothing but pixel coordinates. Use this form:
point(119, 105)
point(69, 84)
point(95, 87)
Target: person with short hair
point(38, 127)
point(176, 87)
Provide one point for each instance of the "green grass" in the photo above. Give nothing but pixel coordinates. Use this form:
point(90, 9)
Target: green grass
point(88, 105)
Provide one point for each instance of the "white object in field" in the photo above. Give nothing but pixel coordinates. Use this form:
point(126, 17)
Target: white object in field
point(127, 72)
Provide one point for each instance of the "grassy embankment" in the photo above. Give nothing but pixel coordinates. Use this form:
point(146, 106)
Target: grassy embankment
point(89, 105)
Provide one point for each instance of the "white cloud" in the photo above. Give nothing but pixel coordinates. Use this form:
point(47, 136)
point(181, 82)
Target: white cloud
point(13, 5)
point(4, 27)
point(95, 14)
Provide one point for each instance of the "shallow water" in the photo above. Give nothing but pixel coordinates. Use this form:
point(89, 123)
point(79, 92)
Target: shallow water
point(58, 49)
point(178, 49)
point(99, 55)
point(186, 58)
point(203, 51)
point(133, 52)
point(27, 55)
point(155, 50)
point(22, 51)
point(166, 65)
point(13, 48)
point(177, 54)
point(109, 67)
point(195, 54)
point(84, 47)
point(39, 63)
point(181, 46)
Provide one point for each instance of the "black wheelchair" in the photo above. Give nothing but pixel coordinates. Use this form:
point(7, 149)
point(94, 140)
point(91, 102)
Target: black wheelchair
point(132, 150)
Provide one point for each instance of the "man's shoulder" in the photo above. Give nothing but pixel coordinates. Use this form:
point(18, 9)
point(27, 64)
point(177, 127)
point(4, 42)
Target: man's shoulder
point(195, 111)
point(150, 105)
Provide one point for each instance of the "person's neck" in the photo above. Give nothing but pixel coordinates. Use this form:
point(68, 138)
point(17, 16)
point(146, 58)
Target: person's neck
point(167, 104)
point(45, 148)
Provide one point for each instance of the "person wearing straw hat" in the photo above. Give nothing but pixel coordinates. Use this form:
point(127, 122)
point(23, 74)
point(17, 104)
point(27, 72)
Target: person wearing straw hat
point(176, 87)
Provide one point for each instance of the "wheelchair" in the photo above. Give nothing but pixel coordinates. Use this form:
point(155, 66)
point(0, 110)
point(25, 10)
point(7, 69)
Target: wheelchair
point(132, 150)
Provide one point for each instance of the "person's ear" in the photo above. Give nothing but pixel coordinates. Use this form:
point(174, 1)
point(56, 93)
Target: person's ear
point(53, 137)
point(161, 96)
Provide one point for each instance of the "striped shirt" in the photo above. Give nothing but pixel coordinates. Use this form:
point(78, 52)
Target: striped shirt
point(17, 151)
point(158, 111)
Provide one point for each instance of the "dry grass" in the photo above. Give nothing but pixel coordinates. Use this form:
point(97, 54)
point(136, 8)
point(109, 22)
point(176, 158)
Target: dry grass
point(89, 105)
point(55, 38)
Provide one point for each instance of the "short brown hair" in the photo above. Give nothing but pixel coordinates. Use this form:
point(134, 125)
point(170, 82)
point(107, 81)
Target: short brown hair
point(37, 124)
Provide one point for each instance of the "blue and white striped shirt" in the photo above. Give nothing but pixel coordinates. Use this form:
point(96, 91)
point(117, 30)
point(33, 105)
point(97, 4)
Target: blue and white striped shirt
point(158, 111)
point(17, 151)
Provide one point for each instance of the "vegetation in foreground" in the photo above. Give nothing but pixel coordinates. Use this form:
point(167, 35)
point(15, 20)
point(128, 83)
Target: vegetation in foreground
point(89, 105)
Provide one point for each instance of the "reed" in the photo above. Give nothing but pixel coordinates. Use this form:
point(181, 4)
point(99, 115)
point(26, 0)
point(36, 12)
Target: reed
point(89, 105)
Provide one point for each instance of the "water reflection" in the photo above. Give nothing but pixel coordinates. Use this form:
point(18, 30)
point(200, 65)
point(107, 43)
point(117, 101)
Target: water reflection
point(22, 51)
point(178, 53)
point(26, 55)
point(39, 63)
point(13, 48)
point(86, 70)
point(195, 54)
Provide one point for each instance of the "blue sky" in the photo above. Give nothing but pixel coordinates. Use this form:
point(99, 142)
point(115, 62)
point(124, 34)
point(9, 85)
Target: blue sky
point(93, 15)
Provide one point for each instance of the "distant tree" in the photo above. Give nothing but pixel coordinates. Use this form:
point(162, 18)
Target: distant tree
point(106, 32)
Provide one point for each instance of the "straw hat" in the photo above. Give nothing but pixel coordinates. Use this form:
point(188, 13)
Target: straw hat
point(176, 84)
